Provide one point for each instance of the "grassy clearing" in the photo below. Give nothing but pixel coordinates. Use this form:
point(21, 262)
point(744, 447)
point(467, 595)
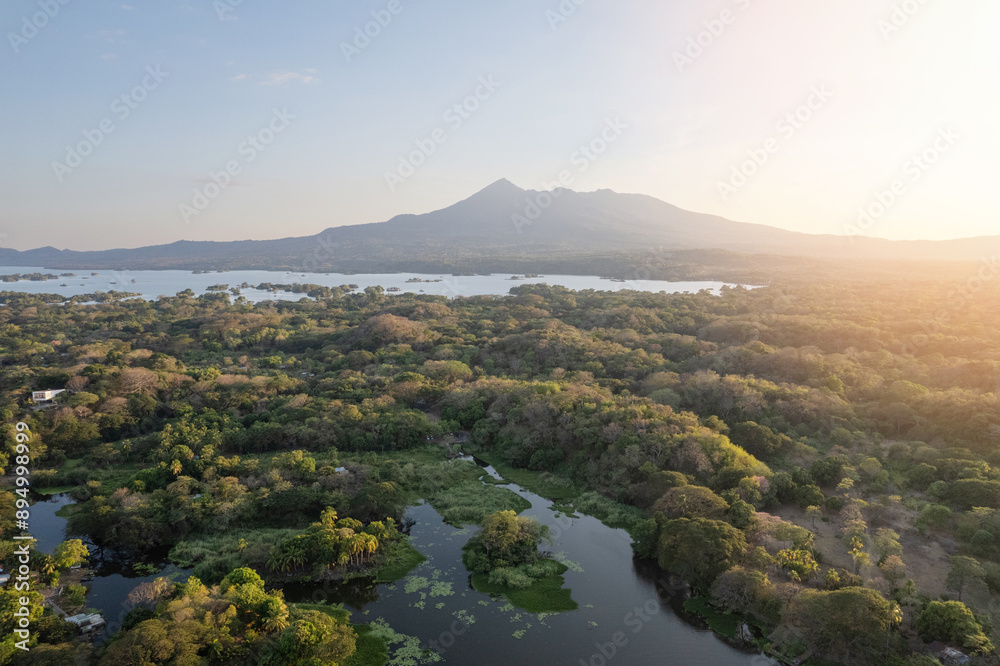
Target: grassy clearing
point(55, 490)
point(470, 502)
point(545, 484)
point(724, 624)
point(370, 649)
point(546, 595)
point(336, 611)
point(431, 453)
point(611, 513)
point(401, 558)
point(215, 556)
point(68, 510)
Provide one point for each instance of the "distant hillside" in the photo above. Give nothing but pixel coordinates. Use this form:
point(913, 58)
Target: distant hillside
point(505, 228)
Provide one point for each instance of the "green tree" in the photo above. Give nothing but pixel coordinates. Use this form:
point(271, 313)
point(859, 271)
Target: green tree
point(692, 502)
point(798, 563)
point(952, 622)
point(886, 543)
point(813, 512)
point(850, 625)
point(699, 549)
point(504, 540)
point(70, 553)
point(312, 637)
point(964, 570)
point(935, 516)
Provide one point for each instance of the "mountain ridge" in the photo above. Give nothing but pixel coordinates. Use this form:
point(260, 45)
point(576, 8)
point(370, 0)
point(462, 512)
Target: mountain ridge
point(503, 219)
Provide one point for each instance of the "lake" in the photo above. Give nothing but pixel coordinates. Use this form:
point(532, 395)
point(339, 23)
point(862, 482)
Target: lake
point(154, 284)
point(437, 604)
point(615, 593)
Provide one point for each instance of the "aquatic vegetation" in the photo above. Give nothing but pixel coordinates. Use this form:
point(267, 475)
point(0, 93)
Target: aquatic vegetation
point(544, 595)
point(442, 589)
point(414, 584)
point(472, 501)
point(409, 652)
point(400, 559)
point(569, 564)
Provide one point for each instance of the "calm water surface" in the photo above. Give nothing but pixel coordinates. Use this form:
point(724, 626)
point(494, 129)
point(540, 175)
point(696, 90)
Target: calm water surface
point(436, 602)
point(153, 284)
point(614, 592)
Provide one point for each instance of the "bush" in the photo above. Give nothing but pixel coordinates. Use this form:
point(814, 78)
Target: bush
point(509, 577)
point(75, 595)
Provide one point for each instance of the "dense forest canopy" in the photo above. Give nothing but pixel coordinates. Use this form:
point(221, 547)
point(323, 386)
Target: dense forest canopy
point(819, 456)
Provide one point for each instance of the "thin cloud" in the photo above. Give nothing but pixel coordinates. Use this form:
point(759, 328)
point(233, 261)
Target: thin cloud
point(305, 77)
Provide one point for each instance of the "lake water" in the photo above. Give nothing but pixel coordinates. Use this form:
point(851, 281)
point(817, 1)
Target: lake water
point(154, 284)
point(111, 585)
point(615, 593)
point(437, 604)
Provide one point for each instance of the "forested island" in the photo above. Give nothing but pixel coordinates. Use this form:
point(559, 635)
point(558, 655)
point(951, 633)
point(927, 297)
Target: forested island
point(817, 460)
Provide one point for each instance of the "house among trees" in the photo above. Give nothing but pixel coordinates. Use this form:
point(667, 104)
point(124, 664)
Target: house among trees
point(949, 655)
point(46, 395)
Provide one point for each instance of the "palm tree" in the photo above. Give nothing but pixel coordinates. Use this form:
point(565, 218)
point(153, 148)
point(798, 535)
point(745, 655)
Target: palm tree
point(895, 619)
point(895, 614)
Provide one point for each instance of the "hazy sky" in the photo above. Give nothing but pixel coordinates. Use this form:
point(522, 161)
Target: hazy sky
point(154, 96)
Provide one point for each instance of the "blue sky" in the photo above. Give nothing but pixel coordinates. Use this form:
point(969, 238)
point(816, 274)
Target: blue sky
point(872, 90)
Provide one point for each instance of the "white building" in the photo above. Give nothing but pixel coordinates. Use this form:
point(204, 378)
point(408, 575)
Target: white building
point(87, 622)
point(47, 395)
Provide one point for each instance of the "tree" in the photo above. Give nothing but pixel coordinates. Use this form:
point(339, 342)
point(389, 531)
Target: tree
point(799, 564)
point(70, 553)
point(849, 625)
point(148, 643)
point(757, 440)
point(504, 540)
point(10, 604)
point(886, 543)
point(312, 637)
point(952, 622)
point(814, 512)
point(858, 554)
point(964, 570)
point(970, 493)
point(138, 380)
point(893, 569)
point(741, 514)
point(742, 590)
point(149, 594)
point(699, 549)
point(935, 516)
point(692, 501)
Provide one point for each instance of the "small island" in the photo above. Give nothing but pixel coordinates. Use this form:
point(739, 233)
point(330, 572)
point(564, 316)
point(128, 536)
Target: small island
point(505, 560)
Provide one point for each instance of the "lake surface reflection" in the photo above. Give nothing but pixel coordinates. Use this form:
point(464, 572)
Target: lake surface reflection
point(154, 284)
